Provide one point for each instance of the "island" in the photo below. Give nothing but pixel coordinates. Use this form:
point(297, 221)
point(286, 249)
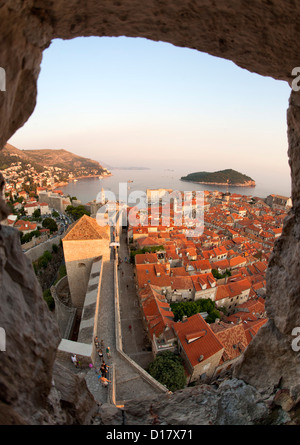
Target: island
point(226, 177)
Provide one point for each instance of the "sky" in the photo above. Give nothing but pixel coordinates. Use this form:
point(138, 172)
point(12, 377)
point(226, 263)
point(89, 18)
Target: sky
point(133, 102)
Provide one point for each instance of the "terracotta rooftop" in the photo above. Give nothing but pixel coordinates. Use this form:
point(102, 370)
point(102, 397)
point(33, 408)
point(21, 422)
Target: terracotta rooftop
point(146, 258)
point(233, 338)
point(86, 228)
point(157, 312)
point(197, 339)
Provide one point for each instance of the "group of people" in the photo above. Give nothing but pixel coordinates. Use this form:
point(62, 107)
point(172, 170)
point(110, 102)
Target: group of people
point(103, 371)
point(104, 367)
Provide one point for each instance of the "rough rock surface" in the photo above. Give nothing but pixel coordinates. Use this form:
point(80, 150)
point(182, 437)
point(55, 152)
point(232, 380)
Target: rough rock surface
point(270, 361)
point(260, 36)
point(30, 379)
point(232, 403)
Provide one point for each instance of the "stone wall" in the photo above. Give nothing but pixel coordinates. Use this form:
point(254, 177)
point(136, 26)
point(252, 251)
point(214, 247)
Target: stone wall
point(79, 257)
point(34, 242)
point(64, 315)
point(89, 320)
point(84, 347)
point(36, 252)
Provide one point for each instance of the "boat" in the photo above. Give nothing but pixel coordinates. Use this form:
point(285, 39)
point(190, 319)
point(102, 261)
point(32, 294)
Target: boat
point(75, 180)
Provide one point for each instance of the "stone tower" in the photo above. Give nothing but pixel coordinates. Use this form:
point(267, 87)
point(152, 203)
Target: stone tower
point(85, 241)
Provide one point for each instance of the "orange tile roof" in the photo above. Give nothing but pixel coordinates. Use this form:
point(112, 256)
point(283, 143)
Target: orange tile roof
point(179, 272)
point(24, 226)
point(86, 228)
point(157, 312)
point(233, 338)
point(252, 327)
point(222, 264)
point(181, 282)
point(143, 258)
point(146, 274)
point(203, 281)
point(148, 241)
point(202, 265)
point(197, 339)
point(235, 261)
point(232, 289)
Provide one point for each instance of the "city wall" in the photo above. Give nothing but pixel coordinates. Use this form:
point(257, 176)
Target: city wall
point(84, 347)
point(36, 252)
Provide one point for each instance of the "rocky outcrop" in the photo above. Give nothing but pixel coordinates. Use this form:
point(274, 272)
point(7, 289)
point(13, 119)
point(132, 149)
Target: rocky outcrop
point(270, 360)
point(232, 403)
point(260, 36)
point(30, 379)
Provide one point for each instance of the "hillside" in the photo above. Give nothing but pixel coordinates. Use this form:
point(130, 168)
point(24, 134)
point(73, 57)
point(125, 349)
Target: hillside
point(222, 177)
point(43, 159)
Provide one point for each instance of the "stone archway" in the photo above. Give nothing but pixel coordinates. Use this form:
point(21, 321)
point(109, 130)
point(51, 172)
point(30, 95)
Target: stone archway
point(260, 36)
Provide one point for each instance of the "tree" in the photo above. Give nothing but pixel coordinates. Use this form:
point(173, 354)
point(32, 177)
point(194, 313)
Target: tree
point(77, 212)
point(28, 236)
point(49, 299)
point(219, 276)
point(211, 318)
point(50, 224)
point(37, 213)
point(43, 260)
point(190, 308)
point(167, 368)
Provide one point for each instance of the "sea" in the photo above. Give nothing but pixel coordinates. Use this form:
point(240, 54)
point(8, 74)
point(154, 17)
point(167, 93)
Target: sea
point(87, 189)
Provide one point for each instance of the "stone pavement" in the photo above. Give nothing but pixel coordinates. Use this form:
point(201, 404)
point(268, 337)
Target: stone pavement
point(135, 340)
point(129, 383)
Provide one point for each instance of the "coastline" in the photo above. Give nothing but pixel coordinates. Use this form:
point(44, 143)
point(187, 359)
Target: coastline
point(222, 183)
point(64, 184)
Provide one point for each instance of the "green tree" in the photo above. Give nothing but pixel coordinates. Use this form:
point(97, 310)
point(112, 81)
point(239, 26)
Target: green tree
point(77, 212)
point(150, 249)
point(218, 275)
point(44, 260)
point(50, 224)
point(190, 308)
point(49, 299)
point(211, 318)
point(47, 255)
point(28, 236)
point(37, 213)
point(42, 263)
point(167, 368)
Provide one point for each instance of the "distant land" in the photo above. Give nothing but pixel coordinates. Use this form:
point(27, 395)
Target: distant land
point(129, 168)
point(222, 177)
point(65, 162)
